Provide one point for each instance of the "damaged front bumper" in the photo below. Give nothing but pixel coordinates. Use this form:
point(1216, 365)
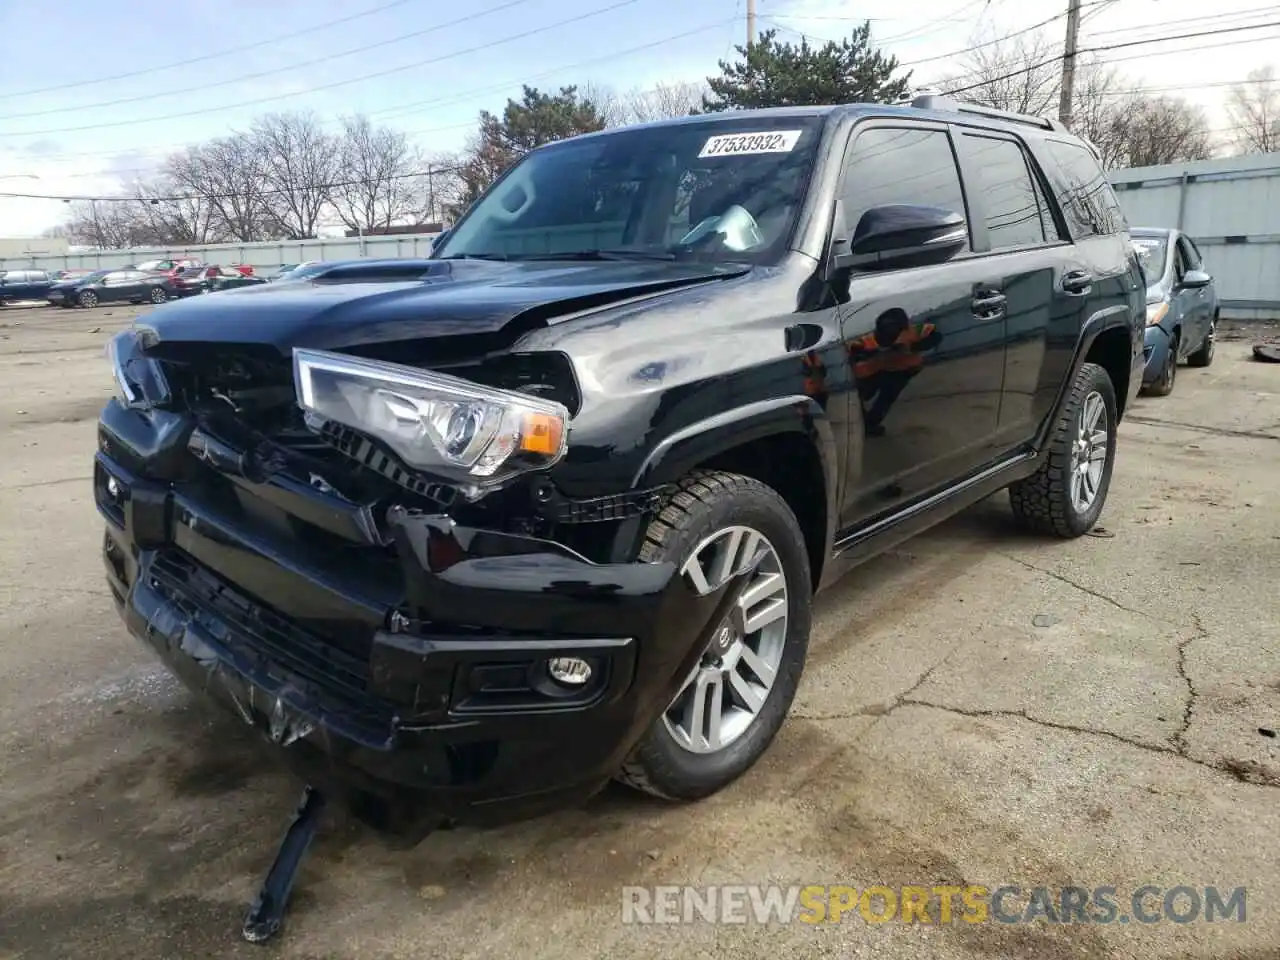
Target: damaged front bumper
point(419, 681)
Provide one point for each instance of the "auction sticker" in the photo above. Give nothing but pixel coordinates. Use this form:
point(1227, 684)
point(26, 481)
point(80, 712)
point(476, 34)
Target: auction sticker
point(743, 144)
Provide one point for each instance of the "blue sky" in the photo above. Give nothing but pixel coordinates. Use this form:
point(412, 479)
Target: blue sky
point(72, 121)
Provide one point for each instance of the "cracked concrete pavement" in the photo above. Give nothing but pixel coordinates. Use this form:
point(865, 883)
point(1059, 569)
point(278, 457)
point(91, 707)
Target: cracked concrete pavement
point(980, 707)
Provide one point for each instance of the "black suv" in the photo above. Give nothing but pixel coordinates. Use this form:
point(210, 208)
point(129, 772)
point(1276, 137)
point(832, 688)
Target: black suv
point(473, 536)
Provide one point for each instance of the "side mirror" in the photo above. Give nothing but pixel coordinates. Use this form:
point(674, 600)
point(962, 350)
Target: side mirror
point(1194, 279)
point(439, 239)
point(904, 234)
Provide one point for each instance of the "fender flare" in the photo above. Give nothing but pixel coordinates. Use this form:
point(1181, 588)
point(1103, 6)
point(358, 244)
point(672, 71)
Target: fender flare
point(1114, 318)
point(680, 451)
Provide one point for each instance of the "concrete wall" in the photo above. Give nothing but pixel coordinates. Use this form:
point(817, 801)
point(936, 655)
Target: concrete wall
point(1231, 208)
point(28, 247)
point(260, 255)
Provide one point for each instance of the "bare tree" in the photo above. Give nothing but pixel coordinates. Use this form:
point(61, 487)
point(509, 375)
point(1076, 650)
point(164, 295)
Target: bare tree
point(1021, 74)
point(1254, 109)
point(1156, 130)
point(661, 102)
point(300, 163)
point(228, 175)
point(374, 188)
point(1099, 95)
point(107, 224)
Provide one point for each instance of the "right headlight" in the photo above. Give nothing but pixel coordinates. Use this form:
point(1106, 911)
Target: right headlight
point(140, 383)
point(442, 425)
point(1156, 312)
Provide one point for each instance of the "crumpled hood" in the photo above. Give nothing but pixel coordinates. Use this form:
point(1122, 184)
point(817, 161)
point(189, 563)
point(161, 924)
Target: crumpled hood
point(452, 298)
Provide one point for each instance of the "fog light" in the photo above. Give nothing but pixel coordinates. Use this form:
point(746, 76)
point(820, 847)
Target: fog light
point(571, 671)
point(113, 488)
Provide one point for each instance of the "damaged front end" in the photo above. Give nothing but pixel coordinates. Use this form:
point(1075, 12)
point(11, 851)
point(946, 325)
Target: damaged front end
point(371, 563)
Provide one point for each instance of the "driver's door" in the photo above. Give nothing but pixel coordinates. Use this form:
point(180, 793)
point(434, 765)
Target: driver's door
point(926, 344)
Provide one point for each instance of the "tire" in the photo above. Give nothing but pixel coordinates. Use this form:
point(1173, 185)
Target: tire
point(1204, 355)
point(158, 295)
point(87, 298)
point(1163, 384)
point(1046, 501)
point(709, 509)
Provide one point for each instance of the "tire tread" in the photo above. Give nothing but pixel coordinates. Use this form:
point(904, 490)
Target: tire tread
point(1041, 502)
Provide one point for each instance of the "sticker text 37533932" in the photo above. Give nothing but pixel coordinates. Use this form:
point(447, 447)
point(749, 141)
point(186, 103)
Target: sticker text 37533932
point(740, 144)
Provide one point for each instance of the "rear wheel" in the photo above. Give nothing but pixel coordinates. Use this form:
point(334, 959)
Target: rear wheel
point(733, 701)
point(1204, 355)
point(1066, 495)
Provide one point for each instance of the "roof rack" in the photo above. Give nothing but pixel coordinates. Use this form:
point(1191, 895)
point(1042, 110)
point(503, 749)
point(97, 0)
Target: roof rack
point(935, 101)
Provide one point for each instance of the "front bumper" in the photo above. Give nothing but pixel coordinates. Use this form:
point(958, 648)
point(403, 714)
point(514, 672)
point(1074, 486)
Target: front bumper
point(448, 714)
point(1155, 348)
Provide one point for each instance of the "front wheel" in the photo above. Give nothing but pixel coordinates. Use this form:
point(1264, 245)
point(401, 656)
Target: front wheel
point(158, 295)
point(732, 703)
point(87, 298)
point(1065, 496)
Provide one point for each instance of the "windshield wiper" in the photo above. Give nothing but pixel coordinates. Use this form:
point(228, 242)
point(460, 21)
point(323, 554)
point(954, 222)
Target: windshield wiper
point(475, 256)
point(600, 255)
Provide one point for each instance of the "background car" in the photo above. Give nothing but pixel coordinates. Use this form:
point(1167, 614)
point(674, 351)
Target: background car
point(25, 284)
point(224, 278)
point(192, 280)
point(111, 286)
point(1182, 306)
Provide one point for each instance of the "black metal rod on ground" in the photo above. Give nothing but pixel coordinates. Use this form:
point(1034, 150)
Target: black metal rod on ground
point(267, 912)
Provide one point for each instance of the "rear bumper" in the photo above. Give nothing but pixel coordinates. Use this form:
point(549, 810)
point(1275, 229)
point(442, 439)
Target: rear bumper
point(453, 715)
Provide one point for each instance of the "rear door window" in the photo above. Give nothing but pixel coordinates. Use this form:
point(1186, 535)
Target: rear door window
point(1013, 214)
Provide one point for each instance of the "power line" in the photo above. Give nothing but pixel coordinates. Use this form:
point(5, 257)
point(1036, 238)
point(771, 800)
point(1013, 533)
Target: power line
point(469, 94)
point(337, 83)
point(314, 28)
point(200, 88)
point(1111, 46)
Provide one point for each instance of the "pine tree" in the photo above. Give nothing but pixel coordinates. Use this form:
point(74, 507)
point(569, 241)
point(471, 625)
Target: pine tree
point(774, 74)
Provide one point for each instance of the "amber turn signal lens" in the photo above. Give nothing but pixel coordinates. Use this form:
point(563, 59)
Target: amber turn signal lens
point(542, 434)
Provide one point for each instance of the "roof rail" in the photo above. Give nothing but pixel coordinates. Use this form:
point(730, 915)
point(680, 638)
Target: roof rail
point(933, 101)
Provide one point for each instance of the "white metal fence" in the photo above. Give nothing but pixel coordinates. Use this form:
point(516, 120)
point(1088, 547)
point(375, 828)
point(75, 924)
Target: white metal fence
point(1231, 208)
point(260, 255)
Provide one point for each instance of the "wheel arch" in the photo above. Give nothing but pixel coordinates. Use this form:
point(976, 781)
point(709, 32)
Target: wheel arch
point(786, 443)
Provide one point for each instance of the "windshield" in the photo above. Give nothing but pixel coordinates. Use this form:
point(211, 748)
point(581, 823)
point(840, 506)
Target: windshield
point(1151, 254)
point(719, 189)
point(90, 277)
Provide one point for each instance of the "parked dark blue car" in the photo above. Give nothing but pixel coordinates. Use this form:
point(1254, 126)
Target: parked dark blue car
point(26, 284)
point(1182, 306)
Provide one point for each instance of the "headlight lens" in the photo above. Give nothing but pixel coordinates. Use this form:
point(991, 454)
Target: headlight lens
point(1157, 312)
point(436, 423)
point(139, 380)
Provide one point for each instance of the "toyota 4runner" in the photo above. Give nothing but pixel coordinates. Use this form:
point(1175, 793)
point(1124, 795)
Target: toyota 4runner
point(471, 537)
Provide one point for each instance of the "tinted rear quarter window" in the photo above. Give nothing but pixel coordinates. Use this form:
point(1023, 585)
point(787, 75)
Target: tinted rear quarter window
point(1087, 199)
point(900, 165)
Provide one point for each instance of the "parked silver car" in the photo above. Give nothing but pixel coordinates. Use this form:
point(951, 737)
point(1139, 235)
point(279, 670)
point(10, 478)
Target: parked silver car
point(1182, 306)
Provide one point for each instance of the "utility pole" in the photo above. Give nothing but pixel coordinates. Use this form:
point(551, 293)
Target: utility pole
point(1067, 95)
point(751, 23)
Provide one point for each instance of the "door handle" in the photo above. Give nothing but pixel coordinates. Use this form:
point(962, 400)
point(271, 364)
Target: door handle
point(988, 303)
point(1077, 281)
